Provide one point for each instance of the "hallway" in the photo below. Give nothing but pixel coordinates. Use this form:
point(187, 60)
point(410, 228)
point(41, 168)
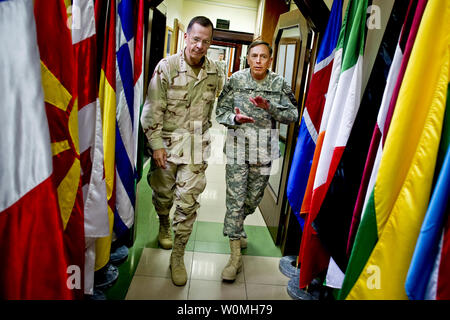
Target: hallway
point(146, 275)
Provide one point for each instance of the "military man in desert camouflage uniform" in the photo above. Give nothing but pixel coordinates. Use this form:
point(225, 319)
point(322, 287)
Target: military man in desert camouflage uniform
point(222, 65)
point(251, 103)
point(176, 118)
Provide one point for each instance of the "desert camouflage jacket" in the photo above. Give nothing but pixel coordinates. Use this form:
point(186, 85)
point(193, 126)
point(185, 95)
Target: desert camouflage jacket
point(178, 108)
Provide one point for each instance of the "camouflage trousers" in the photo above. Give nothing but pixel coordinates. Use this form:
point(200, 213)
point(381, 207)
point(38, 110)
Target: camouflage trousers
point(182, 184)
point(245, 188)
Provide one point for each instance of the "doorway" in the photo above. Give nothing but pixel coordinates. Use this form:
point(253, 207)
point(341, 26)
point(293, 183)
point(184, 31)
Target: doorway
point(233, 45)
point(293, 43)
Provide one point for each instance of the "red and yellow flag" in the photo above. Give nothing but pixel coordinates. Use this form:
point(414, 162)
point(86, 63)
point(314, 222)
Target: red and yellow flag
point(60, 93)
point(107, 96)
point(33, 261)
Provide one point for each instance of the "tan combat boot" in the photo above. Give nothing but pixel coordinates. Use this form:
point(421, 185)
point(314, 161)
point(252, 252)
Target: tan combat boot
point(165, 234)
point(177, 268)
point(234, 265)
point(244, 243)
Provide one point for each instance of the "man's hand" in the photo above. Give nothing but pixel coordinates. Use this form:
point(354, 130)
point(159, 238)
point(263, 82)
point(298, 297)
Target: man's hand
point(160, 157)
point(260, 102)
point(240, 118)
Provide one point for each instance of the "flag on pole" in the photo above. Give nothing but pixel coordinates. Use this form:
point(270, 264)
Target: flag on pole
point(139, 85)
point(443, 283)
point(127, 114)
point(96, 222)
point(427, 250)
point(404, 180)
point(312, 114)
point(365, 233)
point(33, 264)
point(310, 240)
point(378, 130)
point(334, 219)
point(107, 97)
point(342, 115)
point(429, 244)
point(61, 101)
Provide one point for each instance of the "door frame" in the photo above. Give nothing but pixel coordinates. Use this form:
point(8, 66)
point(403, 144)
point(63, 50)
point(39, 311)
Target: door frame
point(273, 208)
point(233, 39)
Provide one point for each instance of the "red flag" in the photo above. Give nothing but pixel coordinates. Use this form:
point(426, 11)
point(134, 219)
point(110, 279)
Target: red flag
point(60, 93)
point(443, 285)
point(96, 220)
point(33, 263)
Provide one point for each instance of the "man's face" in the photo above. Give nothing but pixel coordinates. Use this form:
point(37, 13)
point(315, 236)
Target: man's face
point(259, 60)
point(197, 41)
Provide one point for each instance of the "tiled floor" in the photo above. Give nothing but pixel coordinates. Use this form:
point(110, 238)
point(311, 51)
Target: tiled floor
point(259, 280)
point(146, 274)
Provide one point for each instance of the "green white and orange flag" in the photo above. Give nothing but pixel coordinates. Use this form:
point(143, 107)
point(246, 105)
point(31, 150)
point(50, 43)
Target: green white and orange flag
point(402, 189)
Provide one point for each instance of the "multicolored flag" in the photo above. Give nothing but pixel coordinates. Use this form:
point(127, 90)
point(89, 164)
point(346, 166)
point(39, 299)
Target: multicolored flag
point(310, 240)
point(139, 83)
point(34, 264)
point(377, 132)
point(107, 97)
point(61, 101)
point(312, 114)
point(443, 281)
point(342, 115)
point(423, 277)
point(365, 233)
point(334, 219)
point(403, 186)
point(96, 222)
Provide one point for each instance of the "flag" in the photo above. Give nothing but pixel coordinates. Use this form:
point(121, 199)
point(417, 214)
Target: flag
point(32, 251)
point(443, 283)
point(310, 239)
point(96, 222)
point(404, 180)
point(343, 112)
point(139, 84)
point(377, 132)
point(61, 101)
point(312, 114)
point(107, 97)
point(427, 251)
point(334, 218)
point(127, 114)
point(365, 233)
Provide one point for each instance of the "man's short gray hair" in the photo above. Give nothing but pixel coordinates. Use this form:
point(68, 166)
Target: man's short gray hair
point(257, 43)
point(201, 20)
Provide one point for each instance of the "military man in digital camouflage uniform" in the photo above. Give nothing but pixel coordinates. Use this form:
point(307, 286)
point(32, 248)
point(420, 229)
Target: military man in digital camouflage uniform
point(176, 118)
point(251, 103)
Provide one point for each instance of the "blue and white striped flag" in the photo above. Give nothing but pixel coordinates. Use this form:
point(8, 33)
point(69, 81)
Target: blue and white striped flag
point(127, 116)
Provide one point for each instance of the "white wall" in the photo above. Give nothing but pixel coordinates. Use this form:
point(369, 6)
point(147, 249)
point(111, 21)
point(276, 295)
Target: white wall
point(174, 10)
point(241, 13)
